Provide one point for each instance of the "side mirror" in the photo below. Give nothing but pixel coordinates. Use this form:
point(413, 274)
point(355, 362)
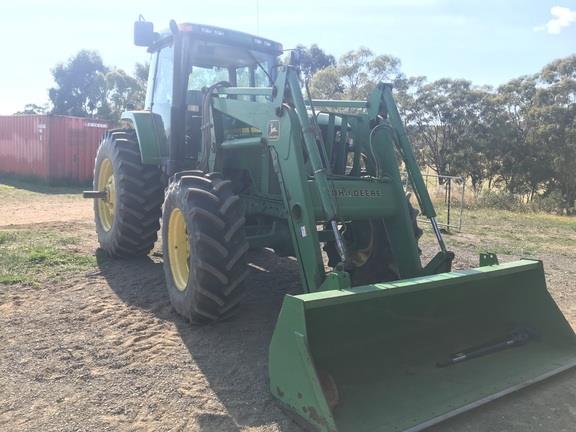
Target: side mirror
point(144, 33)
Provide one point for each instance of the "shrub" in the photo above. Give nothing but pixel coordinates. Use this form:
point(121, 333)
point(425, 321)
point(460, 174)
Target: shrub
point(550, 203)
point(502, 201)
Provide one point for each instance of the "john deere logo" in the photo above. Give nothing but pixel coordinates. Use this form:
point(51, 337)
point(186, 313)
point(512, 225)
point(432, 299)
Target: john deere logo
point(357, 193)
point(273, 129)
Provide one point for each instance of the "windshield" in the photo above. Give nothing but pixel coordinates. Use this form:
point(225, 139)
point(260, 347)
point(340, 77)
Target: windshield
point(201, 77)
point(212, 62)
point(244, 76)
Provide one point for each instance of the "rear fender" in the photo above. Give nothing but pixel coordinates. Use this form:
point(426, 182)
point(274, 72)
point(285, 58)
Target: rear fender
point(151, 135)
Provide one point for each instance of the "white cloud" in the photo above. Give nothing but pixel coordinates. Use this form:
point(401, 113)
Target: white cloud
point(561, 17)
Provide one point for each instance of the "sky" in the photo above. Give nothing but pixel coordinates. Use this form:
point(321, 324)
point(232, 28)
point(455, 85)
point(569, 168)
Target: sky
point(485, 41)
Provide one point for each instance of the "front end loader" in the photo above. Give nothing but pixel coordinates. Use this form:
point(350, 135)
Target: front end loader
point(247, 159)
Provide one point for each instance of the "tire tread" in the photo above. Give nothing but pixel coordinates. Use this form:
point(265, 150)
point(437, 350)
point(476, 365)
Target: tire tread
point(218, 246)
point(140, 193)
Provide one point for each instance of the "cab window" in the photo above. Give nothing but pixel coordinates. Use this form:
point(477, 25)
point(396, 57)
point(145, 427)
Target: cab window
point(201, 77)
point(164, 77)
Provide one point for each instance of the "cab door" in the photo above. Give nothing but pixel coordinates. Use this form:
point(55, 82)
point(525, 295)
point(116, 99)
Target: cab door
point(161, 82)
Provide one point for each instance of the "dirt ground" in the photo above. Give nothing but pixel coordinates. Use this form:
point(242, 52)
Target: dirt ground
point(104, 350)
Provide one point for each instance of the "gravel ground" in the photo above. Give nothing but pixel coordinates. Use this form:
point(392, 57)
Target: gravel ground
point(104, 350)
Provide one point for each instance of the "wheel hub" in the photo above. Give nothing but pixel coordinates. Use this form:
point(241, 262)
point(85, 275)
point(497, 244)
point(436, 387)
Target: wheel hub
point(178, 249)
point(361, 237)
point(106, 206)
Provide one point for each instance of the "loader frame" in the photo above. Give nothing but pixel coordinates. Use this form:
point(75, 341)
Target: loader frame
point(318, 196)
point(290, 147)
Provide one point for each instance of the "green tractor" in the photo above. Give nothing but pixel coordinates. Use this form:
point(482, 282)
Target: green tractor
point(232, 154)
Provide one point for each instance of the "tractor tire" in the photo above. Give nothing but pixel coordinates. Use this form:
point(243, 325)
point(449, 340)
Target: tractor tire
point(374, 262)
point(204, 246)
point(128, 220)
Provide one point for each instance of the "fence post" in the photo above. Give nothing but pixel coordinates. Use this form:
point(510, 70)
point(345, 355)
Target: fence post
point(449, 191)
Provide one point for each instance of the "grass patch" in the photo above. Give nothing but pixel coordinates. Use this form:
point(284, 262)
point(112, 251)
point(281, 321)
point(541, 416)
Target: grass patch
point(19, 191)
point(8, 185)
point(32, 256)
point(11, 279)
point(6, 237)
point(512, 233)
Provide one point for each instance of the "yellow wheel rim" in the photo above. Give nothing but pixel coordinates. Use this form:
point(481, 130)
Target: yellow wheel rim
point(178, 249)
point(106, 206)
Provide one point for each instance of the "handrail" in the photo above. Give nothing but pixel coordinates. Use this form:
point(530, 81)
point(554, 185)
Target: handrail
point(246, 91)
point(335, 103)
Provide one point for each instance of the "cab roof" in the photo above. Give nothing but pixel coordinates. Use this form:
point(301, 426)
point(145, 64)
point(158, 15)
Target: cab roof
point(227, 36)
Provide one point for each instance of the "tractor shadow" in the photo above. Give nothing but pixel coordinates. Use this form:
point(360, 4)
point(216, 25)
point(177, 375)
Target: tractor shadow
point(232, 355)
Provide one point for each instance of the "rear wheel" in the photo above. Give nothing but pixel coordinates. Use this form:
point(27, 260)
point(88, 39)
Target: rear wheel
point(204, 246)
point(128, 218)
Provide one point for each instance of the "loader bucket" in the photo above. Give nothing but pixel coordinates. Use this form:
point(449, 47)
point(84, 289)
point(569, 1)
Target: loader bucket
point(377, 357)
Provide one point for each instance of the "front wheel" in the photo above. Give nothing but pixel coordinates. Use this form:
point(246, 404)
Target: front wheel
point(371, 256)
point(204, 246)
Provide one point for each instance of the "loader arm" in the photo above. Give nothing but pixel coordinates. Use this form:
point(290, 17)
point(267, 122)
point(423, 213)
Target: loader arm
point(312, 196)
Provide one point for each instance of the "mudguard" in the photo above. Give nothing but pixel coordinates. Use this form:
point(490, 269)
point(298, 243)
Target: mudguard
point(152, 140)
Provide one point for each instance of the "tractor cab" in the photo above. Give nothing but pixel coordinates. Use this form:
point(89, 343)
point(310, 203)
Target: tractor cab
point(188, 62)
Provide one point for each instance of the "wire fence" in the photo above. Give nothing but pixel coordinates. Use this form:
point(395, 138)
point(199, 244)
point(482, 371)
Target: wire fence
point(447, 192)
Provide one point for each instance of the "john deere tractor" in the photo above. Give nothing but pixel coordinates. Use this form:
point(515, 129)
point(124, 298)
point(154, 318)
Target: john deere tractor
point(232, 154)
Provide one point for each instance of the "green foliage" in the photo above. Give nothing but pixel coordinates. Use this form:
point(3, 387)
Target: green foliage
point(327, 84)
point(547, 203)
point(7, 237)
point(355, 75)
point(443, 120)
point(121, 92)
point(500, 201)
point(141, 71)
point(32, 109)
point(505, 200)
point(80, 85)
point(314, 59)
point(85, 87)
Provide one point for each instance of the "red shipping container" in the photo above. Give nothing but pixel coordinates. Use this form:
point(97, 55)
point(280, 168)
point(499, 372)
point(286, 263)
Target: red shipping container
point(59, 149)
